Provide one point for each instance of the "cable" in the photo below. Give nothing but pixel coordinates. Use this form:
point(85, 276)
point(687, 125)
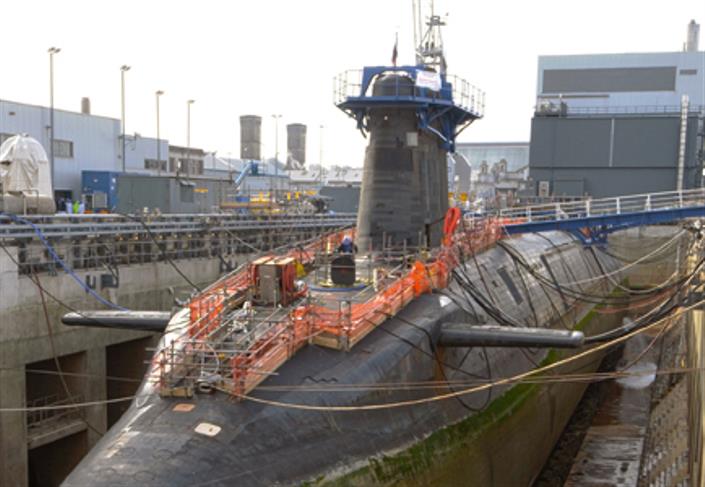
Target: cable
point(579, 295)
point(441, 397)
point(46, 292)
point(57, 364)
point(658, 312)
point(62, 264)
point(75, 374)
point(435, 355)
point(60, 407)
point(566, 378)
point(161, 250)
point(617, 271)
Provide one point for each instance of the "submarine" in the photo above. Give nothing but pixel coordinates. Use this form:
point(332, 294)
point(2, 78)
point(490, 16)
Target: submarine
point(391, 365)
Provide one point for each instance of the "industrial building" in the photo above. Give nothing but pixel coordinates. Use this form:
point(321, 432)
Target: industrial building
point(82, 141)
point(610, 124)
point(155, 174)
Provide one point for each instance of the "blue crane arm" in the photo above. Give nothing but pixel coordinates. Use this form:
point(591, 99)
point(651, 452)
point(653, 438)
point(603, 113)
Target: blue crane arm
point(245, 172)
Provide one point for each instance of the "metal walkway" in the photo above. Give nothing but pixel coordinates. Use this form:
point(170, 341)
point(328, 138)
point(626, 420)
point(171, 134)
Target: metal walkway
point(82, 225)
point(592, 219)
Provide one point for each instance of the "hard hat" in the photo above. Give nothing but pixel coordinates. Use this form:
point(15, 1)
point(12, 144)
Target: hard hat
point(347, 239)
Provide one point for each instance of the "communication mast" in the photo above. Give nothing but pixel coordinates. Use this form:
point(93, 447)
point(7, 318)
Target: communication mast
point(428, 42)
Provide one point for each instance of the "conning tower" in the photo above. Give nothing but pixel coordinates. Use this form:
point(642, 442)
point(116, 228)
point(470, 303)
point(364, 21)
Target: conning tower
point(412, 115)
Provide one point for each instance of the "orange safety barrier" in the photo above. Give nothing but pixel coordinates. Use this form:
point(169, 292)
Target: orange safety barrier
point(452, 218)
point(351, 321)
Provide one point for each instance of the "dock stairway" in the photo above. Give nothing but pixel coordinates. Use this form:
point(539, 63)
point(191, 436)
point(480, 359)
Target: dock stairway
point(591, 220)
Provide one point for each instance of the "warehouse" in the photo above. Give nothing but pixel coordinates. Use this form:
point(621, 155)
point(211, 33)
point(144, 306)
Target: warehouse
point(600, 118)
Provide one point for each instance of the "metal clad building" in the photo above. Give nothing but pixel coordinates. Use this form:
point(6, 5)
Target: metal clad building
point(81, 142)
point(627, 81)
point(612, 155)
point(170, 194)
point(610, 124)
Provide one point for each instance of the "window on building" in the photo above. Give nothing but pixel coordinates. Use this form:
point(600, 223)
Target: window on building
point(154, 164)
point(63, 149)
point(609, 80)
point(172, 164)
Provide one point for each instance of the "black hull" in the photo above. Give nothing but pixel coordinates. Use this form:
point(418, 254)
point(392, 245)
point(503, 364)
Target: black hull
point(497, 437)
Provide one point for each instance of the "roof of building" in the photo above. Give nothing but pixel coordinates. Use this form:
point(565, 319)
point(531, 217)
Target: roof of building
point(304, 176)
point(61, 110)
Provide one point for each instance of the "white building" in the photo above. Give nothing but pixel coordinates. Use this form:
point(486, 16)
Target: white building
point(82, 141)
point(621, 83)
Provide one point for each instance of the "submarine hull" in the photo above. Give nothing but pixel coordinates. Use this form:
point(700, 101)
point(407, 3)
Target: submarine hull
point(289, 433)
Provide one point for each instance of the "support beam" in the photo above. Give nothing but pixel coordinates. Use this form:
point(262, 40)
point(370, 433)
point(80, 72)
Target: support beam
point(608, 223)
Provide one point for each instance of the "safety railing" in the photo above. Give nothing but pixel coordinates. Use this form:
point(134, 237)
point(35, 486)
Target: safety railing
point(233, 348)
point(607, 206)
point(115, 225)
point(346, 85)
point(38, 418)
point(100, 250)
point(557, 105)
point(466, 95)
point(462, 93)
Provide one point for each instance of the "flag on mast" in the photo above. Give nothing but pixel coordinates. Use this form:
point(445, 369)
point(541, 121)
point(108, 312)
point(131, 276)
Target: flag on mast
point(394, 52)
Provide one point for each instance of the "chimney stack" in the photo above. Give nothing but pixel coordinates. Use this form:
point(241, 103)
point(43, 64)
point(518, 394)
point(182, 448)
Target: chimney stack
point(691, 43)
point(86, 105)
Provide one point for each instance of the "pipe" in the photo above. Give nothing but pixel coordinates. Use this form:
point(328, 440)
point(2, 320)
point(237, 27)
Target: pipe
point(464, 335)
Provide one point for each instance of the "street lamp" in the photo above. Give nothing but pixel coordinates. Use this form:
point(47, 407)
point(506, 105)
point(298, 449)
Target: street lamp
point(188, 122)
point(320, 155)
point(188, 134)
point(158, 93)
point(276, 151)
point(123, 69)
point(52, 51)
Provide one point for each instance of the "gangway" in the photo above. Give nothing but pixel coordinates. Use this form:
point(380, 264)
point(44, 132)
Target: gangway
point(592, 219)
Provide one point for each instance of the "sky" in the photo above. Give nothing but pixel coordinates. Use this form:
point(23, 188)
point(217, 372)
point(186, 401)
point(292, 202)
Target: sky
point(269, 57)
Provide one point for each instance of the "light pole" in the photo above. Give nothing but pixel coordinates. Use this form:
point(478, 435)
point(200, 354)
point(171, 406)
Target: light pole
point(52, 51)
point(276, 152)
point(188, 122)
point(158, 93)
point(123, 69)
point(320, 156)
point(188, 134)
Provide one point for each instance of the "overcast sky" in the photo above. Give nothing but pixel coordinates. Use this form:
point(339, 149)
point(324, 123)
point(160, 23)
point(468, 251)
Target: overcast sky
point(280, 56)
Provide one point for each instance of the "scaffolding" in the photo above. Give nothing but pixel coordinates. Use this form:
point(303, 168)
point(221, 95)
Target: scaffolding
point(222, 341)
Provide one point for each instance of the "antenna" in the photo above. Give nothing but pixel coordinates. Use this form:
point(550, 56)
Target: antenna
point(428, 43)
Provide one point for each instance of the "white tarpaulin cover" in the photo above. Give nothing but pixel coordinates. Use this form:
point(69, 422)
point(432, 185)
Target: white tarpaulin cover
point(428, 79)
point(24, 166)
